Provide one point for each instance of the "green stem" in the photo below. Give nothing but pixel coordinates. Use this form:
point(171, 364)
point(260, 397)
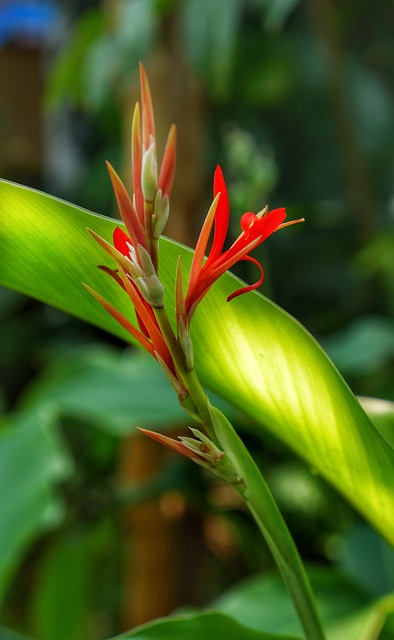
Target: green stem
point(253, 488)
point(262, 505)
point(189, 378)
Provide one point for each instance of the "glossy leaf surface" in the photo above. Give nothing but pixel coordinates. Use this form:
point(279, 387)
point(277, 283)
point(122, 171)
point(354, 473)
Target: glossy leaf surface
point(249, 351)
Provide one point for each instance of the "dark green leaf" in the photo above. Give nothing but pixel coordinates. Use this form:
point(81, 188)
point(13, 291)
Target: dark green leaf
point(346, 610)
point(203, 625)
point(32, 462)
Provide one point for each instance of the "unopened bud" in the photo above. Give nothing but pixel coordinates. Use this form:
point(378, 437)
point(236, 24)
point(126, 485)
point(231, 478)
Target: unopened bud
point(149, 172)
point(146, 261)
point(203, 446)
point(152, 290)
point(148, 281)
point(161, 211)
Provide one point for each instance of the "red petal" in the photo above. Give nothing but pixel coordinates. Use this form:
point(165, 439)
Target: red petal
point(257, 229)
point(222, 213)
point(251, 287)
point(148, 123)
point(201, 247)
point(269, 223)
point(121, 241)
point(247, 221)
point(119, 317)
point(167, 169)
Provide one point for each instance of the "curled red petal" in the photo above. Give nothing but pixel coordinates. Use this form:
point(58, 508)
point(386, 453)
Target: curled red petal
point(258, 230)
point(247, 221)
point(114, 273)
point(250, 287)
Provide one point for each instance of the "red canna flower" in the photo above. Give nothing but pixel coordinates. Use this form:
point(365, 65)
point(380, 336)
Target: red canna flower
point(255, 229)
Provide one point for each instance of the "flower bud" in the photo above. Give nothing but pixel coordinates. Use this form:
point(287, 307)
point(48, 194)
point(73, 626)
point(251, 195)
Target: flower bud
point(161, 211)
point(149, 172)
point(146, 261)
point(152, 290)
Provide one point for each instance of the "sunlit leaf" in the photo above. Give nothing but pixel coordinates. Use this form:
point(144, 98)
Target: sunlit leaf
point(347, 611)
point(381, 412)
point(250, 351)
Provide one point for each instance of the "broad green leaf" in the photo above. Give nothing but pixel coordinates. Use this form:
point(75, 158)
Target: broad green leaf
point(363, 348)
point(210, 31)
point(346, 610)
point(10, 634)
point(63, 589)
point(200, 625)
point(249, 351)
point(32, 462)
point(381, 412)
point(368, 559)
point(113, 391)
point(109, 389)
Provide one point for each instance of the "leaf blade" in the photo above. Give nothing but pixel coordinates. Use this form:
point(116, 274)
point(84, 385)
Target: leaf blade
point(275, 370)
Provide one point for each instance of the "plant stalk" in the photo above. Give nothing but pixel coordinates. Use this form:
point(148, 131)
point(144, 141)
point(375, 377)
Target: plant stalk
point(253, 488)
point(260, 501)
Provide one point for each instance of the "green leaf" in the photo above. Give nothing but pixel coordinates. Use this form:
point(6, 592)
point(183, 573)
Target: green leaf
point(346, 610)
point(197, 626)
point(381, 413)
point(363, 348)
point(249, 351)
point(10, 634)
point(32, 462)
point(210, 32)
point(63, 591)
point(116, 392)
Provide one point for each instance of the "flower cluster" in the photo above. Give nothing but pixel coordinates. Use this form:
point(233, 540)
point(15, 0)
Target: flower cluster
point(136, 249)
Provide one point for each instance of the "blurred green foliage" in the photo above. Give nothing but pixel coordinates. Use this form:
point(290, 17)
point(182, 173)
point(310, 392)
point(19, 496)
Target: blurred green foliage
point(299, 115)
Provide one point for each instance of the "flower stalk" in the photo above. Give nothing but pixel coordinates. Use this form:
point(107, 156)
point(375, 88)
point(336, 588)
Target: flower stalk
point(135, 252)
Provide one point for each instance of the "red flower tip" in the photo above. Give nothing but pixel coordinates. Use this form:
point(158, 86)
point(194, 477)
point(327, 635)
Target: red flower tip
point(148, 122)
point(255, 229)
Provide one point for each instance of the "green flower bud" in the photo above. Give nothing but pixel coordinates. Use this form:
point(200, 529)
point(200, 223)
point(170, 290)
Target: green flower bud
point(149, 172)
